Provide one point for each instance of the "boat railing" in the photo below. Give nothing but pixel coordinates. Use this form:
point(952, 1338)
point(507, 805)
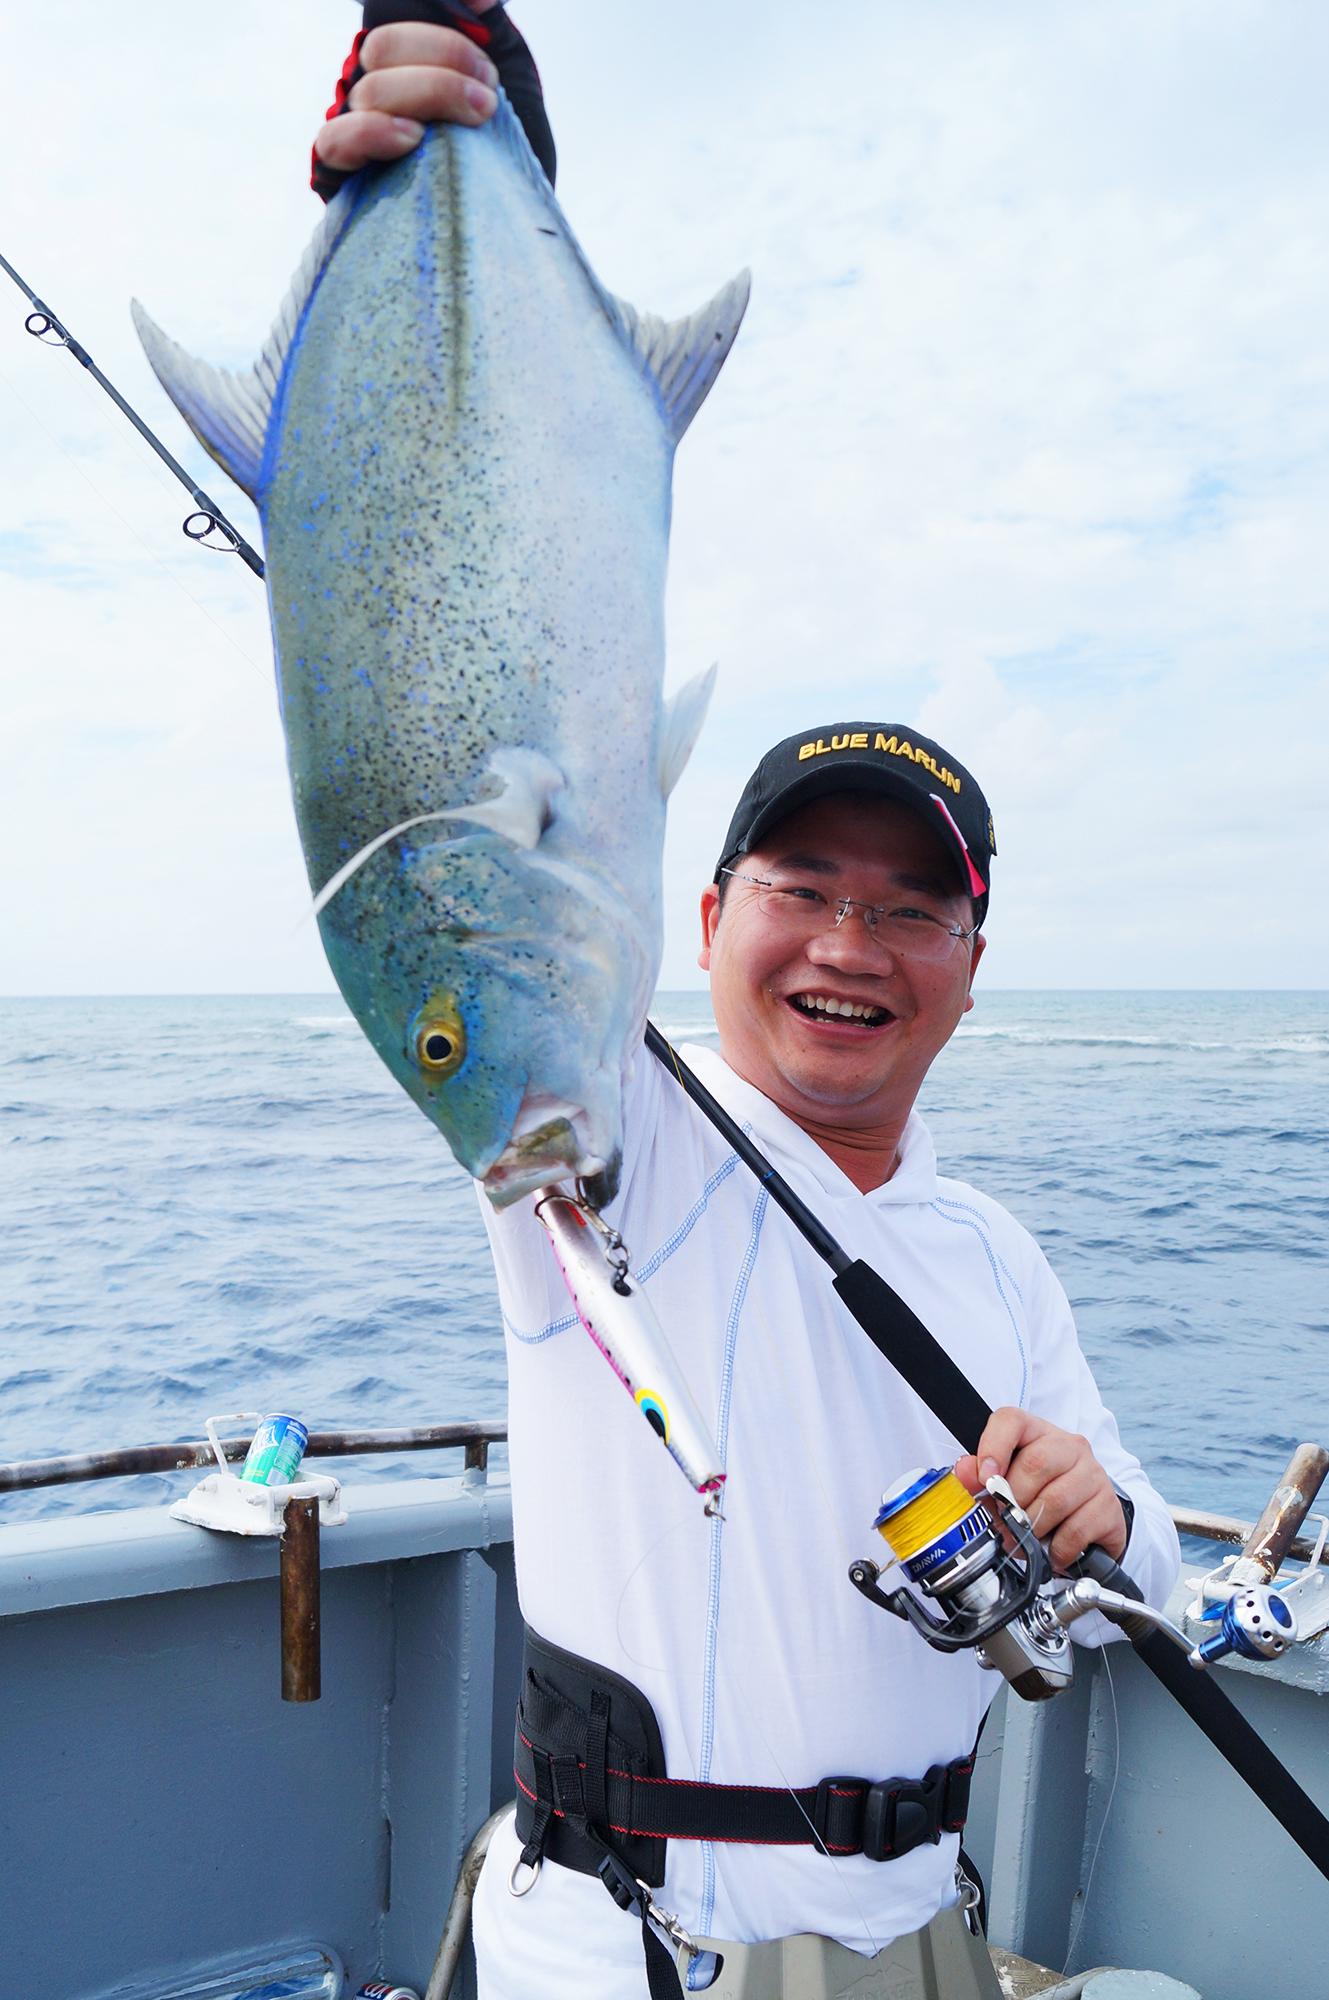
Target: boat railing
point(1216, 1528)
point(474, 1438)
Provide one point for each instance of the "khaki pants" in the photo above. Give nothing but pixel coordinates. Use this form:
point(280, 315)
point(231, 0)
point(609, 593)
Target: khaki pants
point(944, 1961)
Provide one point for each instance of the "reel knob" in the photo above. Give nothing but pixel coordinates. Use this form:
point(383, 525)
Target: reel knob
point(1256, 1623)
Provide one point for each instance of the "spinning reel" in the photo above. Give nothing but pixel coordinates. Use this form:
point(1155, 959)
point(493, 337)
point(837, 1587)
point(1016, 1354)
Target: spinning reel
point(949, 1546)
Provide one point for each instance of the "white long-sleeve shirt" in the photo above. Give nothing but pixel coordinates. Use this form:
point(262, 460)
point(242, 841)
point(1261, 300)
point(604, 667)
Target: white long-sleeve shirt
point(763, 1664)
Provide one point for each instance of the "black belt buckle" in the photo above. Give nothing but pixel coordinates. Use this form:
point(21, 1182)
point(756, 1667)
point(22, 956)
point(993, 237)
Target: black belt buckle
point(836, 1814)
point(621, 1883)
point(899, 1814)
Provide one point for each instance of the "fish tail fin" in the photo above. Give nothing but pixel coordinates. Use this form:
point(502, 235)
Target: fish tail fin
point(683, 356)
point(228, 413)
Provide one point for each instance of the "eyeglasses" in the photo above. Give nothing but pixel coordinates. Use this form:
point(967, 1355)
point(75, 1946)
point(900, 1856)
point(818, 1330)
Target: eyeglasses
point(801, 910)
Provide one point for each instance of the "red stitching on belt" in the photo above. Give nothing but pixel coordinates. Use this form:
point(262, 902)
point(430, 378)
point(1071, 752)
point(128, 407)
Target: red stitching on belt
point(700, 1784)
point(720, 1839)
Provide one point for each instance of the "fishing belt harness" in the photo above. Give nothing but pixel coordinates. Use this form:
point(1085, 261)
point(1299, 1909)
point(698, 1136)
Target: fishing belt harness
point(593, 1795)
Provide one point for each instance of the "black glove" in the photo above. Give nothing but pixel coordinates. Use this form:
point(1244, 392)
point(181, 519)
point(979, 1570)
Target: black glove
point(494, 33)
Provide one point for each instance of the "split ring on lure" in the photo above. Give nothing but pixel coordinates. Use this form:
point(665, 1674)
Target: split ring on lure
point(623, 1324)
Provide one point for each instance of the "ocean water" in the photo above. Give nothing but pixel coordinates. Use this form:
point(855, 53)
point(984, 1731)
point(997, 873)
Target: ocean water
point(221, 1204)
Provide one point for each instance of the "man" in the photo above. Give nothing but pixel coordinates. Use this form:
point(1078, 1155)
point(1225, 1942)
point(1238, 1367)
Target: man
point(730, 1657)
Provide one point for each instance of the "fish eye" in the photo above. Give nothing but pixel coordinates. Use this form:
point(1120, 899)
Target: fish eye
point(440, 1044)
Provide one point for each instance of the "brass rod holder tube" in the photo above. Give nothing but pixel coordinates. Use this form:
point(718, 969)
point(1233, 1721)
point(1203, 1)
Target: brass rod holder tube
point(301, 1639)
point(1273, 1534)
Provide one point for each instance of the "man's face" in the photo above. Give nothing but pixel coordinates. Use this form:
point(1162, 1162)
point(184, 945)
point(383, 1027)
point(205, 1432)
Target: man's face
point(838, 1072)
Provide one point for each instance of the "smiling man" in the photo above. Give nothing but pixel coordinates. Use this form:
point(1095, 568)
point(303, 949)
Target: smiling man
point(707, 1706)
point(730, 1658)
point(843, 857)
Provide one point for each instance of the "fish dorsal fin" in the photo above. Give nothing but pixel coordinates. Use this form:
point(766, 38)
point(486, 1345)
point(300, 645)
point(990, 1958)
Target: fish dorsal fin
point(683, 716)
point(228, 413)
point(682, 357)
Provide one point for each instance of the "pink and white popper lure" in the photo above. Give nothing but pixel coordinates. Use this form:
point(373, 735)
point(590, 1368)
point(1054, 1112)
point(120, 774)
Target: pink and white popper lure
point(623, 1324)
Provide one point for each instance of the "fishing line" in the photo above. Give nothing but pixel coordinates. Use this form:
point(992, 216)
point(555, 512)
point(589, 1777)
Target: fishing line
point(1102, 1828)
point(149, 548)
point(47, 327)
point(685, 1521)
point(772, 1355)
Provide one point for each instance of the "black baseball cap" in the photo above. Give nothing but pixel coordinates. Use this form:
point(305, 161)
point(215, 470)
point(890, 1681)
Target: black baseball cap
point(884, 758)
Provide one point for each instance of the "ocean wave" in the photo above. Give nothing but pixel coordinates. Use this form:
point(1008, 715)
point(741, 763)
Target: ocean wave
point(704, 1032)
point(263, 1219)
point(1308, 1043)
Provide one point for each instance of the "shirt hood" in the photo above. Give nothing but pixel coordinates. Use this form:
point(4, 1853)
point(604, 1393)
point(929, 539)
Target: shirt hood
point(914, 1179)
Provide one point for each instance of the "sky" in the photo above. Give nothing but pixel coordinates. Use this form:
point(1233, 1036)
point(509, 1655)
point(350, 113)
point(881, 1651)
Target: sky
point(1024, 443)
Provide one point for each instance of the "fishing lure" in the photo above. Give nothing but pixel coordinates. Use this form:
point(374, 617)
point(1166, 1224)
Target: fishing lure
point(623, 1324)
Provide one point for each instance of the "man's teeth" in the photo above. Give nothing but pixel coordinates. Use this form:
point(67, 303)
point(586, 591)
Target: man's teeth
point(818, 1003)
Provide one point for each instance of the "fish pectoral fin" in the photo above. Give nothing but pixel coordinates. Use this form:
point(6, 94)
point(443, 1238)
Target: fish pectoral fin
point(524, 806)
point(683, 716)
point(683, 356)
point(227, 413)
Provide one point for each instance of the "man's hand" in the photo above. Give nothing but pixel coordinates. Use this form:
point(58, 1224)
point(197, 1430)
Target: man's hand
point(1056, 1479)
point(414, 74)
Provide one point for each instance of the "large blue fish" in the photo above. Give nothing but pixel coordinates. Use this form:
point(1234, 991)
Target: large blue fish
point(461, 445)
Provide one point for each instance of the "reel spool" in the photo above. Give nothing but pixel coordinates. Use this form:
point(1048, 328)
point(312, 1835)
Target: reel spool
point(948, 1544)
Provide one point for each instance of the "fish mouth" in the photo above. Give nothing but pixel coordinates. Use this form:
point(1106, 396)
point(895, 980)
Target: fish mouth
point(550, 1141)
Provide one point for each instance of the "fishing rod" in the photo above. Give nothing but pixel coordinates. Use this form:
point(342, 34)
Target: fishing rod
point(208, 519)
point(898, 1333)
point(889, 1323)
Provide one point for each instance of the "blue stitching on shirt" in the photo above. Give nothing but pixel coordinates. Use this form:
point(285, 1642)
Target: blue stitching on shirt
point(545, 1333)
point(713, 1588)
point(967, 1208)
point(647, 1270)
point(997, 1268)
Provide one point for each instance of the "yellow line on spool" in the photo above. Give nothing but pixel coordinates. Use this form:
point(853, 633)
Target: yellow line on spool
point(927, 1518)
